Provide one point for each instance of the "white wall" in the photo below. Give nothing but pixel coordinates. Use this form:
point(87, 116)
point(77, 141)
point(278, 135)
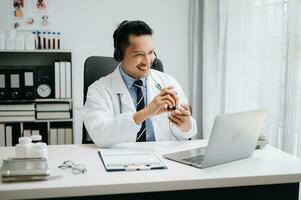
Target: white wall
point(87, 27)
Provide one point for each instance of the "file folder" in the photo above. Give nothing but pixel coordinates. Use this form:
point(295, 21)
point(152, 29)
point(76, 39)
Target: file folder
point(68, 80)
point(63, 80)
point(9, 135)
point(57, 80)
point(2, 135)
point(129, 160)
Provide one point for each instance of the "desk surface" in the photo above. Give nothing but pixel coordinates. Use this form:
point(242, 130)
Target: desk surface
point(266, 166)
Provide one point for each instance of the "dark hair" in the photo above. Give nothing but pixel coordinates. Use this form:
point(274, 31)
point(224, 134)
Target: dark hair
point(121, 35)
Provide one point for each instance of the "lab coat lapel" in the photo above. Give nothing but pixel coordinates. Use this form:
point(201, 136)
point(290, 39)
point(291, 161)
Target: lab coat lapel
point(119, 87)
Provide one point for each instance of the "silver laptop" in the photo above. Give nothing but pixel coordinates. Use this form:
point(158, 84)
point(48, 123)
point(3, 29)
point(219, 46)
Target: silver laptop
point(233, 137)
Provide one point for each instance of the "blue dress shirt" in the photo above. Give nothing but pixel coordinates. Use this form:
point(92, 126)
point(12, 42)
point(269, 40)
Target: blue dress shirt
point(150, 136)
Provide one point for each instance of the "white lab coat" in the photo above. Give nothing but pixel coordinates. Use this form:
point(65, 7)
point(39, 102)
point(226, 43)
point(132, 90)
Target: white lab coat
point(107, 126)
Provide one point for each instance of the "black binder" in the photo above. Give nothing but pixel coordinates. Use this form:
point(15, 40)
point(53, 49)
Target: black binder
point(15, 90)
point(3, 85)
point(28, 84)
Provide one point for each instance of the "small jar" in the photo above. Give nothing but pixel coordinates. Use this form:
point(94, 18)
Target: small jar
point(39, 150)
point(23, 149)
point(36, 138)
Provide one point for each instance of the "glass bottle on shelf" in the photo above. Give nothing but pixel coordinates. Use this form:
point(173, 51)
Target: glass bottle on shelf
point(43, 38)
point(53, 40)
point(58, 40)
point(35, 36)
point(49, 37)
point(39, 40)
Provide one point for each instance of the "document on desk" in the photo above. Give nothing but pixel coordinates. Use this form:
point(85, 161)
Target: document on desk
point(129, 160)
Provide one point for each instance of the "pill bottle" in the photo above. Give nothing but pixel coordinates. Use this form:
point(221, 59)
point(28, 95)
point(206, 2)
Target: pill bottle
point(23, 149)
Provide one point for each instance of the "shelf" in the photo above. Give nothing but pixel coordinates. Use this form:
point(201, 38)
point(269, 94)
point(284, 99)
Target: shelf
point(37, 120)
point(37, 51)
point(42, 63)
point(17, 58)
point(53, 120)
point(19, 121)
point(34, 101)
point(52, 100)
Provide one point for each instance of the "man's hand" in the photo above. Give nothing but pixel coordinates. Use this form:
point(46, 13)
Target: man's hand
point(162, 102)
point(181, 118)
point(158, 105)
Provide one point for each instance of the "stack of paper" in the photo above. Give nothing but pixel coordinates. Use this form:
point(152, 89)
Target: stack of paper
point(17, 112)
point(53, 111)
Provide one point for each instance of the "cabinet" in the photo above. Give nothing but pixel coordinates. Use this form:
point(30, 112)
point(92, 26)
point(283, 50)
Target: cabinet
point(36, 96)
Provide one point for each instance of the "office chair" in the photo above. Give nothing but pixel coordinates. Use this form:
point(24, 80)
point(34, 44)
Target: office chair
point(96, 67)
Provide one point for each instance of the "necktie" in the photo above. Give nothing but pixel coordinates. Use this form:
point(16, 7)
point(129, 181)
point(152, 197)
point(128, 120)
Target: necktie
point(141, 135)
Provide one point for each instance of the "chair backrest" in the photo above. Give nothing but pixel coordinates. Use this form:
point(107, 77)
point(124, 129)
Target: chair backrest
point(96, 67)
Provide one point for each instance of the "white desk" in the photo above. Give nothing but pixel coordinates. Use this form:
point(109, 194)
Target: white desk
point(266, 167)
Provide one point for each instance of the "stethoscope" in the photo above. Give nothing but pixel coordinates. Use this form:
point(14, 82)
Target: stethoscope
point(159, 87)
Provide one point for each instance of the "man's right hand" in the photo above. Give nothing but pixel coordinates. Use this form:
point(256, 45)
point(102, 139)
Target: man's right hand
point(158, 105)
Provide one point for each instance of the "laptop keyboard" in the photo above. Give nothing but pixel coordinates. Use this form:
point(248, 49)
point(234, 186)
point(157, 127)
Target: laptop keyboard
point(195, 159)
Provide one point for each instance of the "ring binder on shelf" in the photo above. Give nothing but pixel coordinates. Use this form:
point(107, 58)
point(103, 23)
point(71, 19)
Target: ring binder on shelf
point(3, 85)
point(28, 79)
point(15, 88)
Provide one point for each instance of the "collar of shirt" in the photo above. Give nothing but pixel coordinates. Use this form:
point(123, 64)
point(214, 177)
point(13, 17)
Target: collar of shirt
point(129, 81)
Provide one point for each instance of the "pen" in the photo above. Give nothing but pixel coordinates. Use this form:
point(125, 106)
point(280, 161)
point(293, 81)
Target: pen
point(136, 168)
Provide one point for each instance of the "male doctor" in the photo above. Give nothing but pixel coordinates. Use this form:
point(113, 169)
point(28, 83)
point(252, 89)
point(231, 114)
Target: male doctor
point(134, 103)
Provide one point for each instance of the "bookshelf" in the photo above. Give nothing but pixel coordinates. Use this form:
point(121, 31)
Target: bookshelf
point(36, 96)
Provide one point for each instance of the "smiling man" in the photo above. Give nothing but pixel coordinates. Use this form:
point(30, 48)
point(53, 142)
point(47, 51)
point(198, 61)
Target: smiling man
point(136, 103)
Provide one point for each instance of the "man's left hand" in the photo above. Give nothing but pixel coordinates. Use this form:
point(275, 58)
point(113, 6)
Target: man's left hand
point(181, 117)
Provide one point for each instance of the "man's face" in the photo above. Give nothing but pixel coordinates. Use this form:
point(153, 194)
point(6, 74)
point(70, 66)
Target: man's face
point(138, 56)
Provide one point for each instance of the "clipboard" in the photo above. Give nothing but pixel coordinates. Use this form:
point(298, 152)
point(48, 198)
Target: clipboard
point(129, 160)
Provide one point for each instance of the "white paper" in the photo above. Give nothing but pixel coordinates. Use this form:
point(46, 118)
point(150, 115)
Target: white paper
point(118, 159)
